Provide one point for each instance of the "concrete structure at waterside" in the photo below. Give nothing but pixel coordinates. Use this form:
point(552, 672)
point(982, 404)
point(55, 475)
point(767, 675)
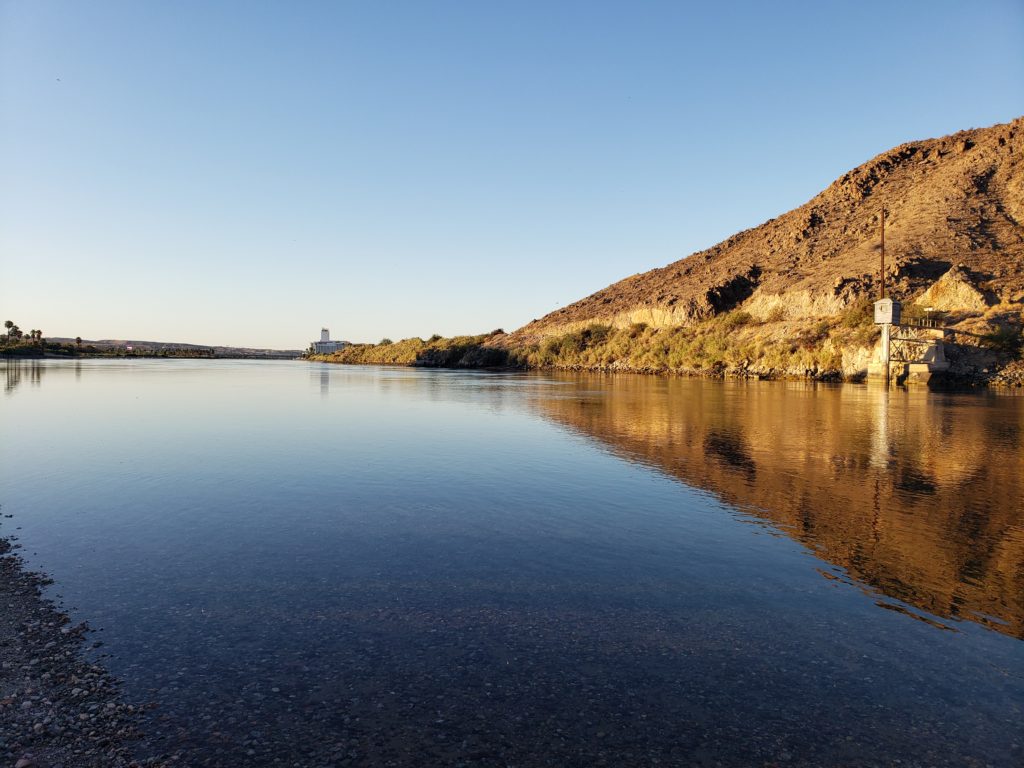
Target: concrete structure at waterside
point(907, 354)
point(325, 346)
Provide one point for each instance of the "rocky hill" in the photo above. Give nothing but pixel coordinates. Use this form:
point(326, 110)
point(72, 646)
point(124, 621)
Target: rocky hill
point(956, 200)
point(792, 297)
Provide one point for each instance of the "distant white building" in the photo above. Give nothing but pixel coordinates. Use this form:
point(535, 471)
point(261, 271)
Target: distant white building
point(325, 346)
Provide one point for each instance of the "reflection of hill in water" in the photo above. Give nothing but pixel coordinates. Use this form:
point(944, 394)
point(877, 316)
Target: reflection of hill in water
point(916, 494)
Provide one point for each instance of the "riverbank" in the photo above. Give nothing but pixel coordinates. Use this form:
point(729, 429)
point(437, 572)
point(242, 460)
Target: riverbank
point(56, 707)
point(724, 347)
point(156, 356)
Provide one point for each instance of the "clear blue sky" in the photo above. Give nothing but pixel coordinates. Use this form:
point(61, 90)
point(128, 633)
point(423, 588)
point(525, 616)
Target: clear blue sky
point(243, 173)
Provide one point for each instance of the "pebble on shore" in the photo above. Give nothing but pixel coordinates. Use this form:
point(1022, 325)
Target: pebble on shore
point(56, 708)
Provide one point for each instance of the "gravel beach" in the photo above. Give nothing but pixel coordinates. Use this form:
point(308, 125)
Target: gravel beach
point(57, 710)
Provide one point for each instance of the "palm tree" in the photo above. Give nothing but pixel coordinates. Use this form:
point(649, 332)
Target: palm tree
point(78, 343)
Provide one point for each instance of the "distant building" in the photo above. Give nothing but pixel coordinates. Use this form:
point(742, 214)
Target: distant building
point(325, 346)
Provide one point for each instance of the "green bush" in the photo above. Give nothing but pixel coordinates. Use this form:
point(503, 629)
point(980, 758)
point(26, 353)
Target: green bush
point(859, 314)
point(736, 319)
point(1005, 340)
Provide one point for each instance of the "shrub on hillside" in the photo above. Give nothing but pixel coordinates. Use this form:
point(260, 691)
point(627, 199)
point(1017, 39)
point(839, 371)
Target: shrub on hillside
point(736, 319)
point(1004, 340)
point(859, 314)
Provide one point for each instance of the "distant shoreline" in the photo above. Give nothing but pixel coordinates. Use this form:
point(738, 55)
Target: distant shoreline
point(101, 355)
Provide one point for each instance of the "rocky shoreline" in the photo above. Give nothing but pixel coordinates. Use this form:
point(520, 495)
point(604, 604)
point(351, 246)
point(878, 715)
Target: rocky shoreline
point(57, 709)
point(1010, 376)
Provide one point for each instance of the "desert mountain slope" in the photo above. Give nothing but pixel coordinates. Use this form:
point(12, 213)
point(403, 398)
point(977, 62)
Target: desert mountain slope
point(956, 200)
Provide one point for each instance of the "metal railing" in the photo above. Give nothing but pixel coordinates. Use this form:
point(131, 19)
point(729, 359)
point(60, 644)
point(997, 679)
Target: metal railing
point(931, 321)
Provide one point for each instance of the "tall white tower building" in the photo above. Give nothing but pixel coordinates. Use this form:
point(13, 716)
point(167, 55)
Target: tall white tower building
point(325, 346)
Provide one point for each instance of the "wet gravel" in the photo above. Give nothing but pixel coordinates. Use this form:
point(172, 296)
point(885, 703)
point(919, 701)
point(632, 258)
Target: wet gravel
point(57, 710)
point(399, 679)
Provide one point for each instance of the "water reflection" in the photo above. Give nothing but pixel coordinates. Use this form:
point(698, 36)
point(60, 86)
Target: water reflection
point(917, 495)
point(457, 568)
point(17, 369)
point(496, 391)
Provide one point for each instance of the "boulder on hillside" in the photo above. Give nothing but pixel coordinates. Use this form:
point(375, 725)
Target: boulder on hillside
point(954, 291)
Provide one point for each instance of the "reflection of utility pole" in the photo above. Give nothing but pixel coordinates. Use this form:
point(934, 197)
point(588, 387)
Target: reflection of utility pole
point(886, 353)
point(880, 453)
point(880, 436)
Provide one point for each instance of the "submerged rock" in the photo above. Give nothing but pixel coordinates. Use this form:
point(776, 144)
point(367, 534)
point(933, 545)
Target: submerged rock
point(46, 682)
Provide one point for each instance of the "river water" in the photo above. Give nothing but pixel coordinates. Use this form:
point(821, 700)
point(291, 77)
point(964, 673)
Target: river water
point(305, 564)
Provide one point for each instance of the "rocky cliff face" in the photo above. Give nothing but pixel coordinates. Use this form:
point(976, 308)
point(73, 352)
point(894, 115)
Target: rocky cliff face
point(955, 202)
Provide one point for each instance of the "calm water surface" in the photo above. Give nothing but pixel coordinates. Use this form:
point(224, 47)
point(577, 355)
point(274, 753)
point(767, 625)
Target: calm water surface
point(314, 565)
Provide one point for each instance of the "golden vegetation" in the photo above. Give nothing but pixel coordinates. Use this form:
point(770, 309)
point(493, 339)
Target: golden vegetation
point(437, 351)
point(731, 343)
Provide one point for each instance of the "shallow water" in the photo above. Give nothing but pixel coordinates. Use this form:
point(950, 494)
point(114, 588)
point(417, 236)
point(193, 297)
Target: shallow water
point(358, 566)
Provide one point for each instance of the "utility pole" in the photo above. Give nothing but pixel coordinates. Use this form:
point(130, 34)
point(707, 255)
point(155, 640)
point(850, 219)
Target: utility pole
point(886, 327)
point(887, 313)
point(881, 271)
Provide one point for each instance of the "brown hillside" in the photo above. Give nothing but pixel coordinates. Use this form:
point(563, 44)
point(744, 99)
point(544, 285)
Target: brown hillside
point(954, 200)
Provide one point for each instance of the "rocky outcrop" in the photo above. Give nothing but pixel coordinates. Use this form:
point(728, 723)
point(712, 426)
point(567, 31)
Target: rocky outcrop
point(955, 291)
point(956, 200)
